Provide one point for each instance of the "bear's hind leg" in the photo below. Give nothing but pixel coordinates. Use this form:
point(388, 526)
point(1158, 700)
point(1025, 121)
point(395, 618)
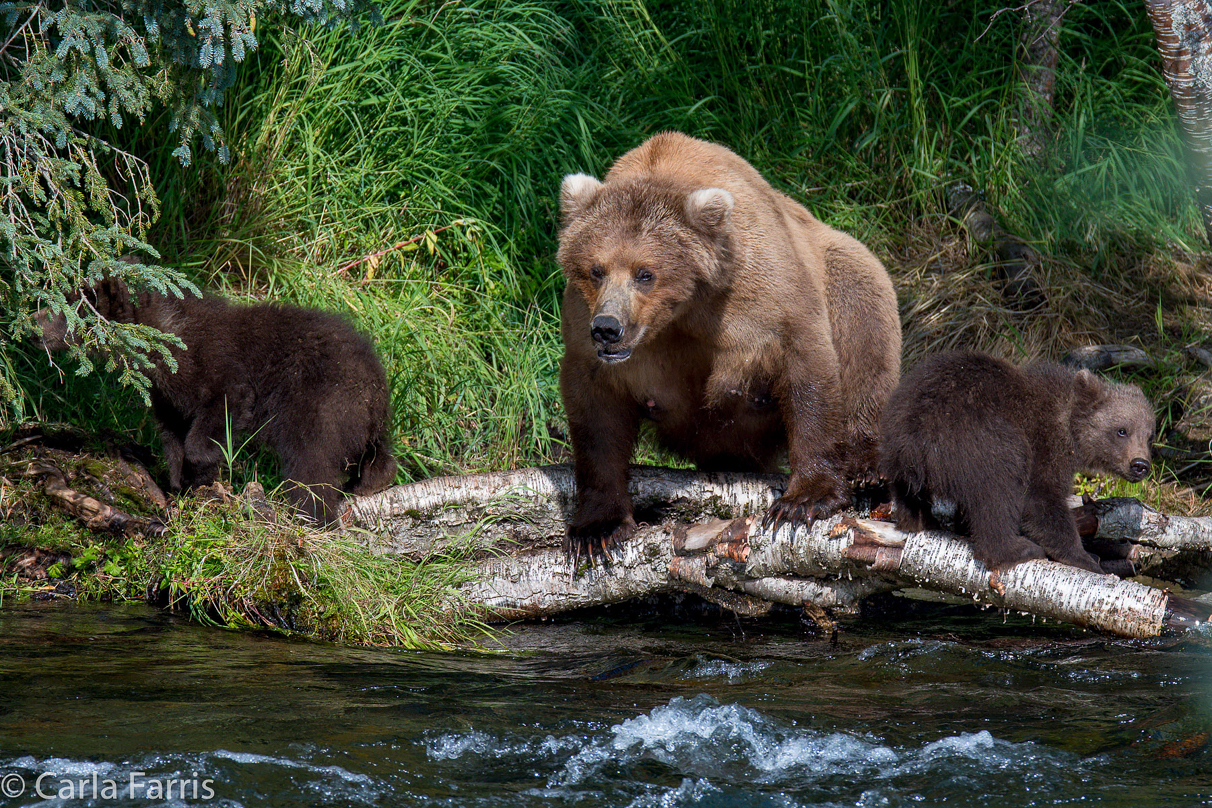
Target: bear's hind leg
point(1050, 523)
point(312, 485)
point(995, 523)
point(201, 450)
point(910, 509)
point(173, 430)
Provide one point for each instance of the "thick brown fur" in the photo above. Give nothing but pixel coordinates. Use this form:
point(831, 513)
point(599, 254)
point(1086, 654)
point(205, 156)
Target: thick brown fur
point(1002, 444)
point(705, 301)
point(302, 381)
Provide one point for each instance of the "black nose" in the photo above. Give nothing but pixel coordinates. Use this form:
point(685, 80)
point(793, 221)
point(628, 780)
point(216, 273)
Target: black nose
point(606, 328)
point(1139, 468)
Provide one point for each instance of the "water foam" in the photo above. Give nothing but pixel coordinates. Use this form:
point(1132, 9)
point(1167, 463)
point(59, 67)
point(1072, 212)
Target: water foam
point(713, 747)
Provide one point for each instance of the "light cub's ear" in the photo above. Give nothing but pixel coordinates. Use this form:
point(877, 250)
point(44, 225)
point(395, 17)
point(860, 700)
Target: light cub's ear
point(709, 208)
point(575, 192)
point(1089, 387)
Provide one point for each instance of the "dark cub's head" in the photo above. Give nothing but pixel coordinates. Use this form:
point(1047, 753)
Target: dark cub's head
point(638, 252)
point(1113, 427)
point(110, 298)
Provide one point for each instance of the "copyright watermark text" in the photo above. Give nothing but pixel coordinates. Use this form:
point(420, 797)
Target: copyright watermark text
point(134, 786)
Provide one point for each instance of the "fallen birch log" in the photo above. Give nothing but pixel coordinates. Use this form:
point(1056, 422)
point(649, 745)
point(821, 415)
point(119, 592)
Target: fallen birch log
point(944, 563)
point(731, 560)
point(530, 505)
point(1175, 548)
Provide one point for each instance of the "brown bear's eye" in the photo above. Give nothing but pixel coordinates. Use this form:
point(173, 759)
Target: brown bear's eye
point(596, 272)
point(643, 275)
point(1123, 433)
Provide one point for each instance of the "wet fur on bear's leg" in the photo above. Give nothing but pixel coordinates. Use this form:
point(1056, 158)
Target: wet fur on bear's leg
point(910, 510)
point(603, 429)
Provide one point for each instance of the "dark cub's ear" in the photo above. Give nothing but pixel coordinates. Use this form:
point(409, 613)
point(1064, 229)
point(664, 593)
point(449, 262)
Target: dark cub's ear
point(112, 298)
point(709, 209)
point(575, 192)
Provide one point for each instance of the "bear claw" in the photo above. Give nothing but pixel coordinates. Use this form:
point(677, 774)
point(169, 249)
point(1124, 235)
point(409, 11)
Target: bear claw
point(797, 512)
point(596, 541)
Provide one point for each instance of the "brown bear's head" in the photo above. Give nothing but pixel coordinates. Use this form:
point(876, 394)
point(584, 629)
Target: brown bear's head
point(638, 253)
point(1113, 427)
point(109, 297)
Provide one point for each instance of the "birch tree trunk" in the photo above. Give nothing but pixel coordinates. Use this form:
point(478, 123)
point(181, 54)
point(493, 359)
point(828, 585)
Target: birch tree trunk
point(1184, 40)
point(1038, 40)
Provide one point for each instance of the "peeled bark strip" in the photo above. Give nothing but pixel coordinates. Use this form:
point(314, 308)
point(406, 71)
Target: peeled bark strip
point(1184, 41)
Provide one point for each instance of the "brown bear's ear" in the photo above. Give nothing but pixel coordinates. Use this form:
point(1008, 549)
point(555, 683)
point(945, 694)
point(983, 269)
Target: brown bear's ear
point(575, 192)
point(709, 209)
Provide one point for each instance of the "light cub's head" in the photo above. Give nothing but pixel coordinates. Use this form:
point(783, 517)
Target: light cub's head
point(1113, 427)
point(638, 252)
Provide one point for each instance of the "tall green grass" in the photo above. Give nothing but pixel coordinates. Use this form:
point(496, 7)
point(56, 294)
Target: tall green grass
point(447, 131)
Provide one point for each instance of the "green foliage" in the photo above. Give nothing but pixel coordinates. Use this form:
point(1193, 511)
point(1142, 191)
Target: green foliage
point(408, 175)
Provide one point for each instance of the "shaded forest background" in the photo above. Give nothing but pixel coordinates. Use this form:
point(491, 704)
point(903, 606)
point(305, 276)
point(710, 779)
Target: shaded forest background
point(407, 175)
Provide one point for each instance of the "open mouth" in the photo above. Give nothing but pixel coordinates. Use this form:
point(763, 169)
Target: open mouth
point(613, 355)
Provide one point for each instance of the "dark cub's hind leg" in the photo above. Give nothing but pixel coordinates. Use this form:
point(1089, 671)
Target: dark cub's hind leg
point(312, 479)
point(910, 509)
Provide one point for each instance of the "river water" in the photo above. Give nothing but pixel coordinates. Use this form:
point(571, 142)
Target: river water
point(122, 705)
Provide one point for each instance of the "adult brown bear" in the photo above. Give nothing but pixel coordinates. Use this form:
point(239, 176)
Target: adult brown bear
point(703, 300)
point(301, 381)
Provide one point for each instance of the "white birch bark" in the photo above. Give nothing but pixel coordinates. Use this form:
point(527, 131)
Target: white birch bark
point(833, 565)
point(428, 515)
point(1130, 519)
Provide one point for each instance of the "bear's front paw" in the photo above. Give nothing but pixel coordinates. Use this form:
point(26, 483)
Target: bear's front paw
point(597, 539)
point(804, 504)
